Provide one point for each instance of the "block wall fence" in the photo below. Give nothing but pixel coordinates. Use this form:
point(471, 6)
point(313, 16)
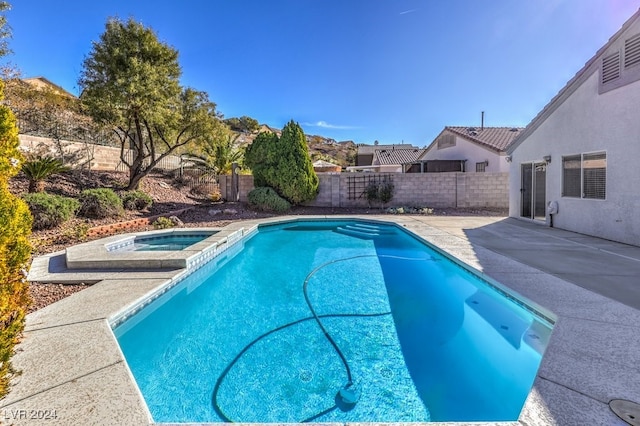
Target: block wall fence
point(100, 157)
point(440, 190)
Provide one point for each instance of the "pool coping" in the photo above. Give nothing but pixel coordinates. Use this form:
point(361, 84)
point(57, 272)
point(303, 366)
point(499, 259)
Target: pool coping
point(71, 362)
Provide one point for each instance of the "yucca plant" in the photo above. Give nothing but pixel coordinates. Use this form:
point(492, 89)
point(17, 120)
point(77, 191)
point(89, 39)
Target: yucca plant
point(39, 169)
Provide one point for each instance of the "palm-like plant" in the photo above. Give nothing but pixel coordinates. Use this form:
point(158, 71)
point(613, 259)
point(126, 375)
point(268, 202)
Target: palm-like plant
point(39, 169)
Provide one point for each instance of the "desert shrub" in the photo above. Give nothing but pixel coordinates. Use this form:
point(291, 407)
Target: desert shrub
point(385, 191)
point(266, 199)
point(215, 195)
point(379, 191)
point(15, 250)
point(162, 223)
point(39, 169)
point(100, 203)
point(50, 210)
point(371, 192)
point(136, 200)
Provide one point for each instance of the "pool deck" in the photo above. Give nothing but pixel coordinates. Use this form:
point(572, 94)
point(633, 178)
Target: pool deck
point(73, 369)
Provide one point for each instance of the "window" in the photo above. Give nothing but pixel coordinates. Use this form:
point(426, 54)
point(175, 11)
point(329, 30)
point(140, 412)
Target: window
point(585, 176)
point(481, 167)
point(594, 176)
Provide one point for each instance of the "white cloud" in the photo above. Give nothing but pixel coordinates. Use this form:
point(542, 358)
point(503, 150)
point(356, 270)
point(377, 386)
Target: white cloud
point(407, 11)
point(325, 125)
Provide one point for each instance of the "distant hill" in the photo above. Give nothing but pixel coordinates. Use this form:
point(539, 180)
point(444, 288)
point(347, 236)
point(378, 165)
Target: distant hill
point(342, 153)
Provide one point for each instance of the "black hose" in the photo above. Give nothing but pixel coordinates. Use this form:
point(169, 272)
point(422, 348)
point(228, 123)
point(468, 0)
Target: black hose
point(316, 317)
point(225, 372)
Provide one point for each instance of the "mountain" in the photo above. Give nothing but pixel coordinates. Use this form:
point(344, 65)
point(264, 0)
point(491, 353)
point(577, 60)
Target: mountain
point(342, 153)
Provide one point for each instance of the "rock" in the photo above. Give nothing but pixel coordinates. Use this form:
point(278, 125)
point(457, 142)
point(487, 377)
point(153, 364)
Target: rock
point(230, 211)
point(176, 221)
point(214, 212)
point(164, 185)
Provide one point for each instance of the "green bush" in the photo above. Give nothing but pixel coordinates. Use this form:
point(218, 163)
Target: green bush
point(136, 200)
point(379, 191)
point(162, 223)
point(38, 169)
point(283, 163)
point(15, 250)
point(266, 199)
point(50, 210)
point(100, 203)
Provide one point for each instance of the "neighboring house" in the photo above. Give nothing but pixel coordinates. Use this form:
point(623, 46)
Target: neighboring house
point(581, 153)
point(366, 153)
point(469, 149)
point(321, 166)
point(390, 159)
point(396, 160)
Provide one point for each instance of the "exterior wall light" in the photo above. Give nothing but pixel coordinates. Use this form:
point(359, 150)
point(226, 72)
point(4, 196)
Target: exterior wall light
point(508, 158)
point(547, 159)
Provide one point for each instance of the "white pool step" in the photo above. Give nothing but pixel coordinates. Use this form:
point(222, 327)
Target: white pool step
point(361, 230)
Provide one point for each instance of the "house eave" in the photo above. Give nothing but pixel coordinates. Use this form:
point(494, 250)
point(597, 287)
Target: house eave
point(591, 66)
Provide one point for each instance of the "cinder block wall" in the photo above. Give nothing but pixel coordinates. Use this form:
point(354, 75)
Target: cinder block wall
point(102, 157)
point(440, 190)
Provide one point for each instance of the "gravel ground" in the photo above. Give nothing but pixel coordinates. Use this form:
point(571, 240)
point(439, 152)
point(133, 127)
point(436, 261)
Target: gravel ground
point(168, 196)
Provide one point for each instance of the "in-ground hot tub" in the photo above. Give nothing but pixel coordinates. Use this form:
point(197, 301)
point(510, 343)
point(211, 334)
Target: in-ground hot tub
point(162, 249)
point(165, 241)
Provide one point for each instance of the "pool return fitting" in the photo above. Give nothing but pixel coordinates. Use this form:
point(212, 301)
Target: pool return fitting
point(349, 394)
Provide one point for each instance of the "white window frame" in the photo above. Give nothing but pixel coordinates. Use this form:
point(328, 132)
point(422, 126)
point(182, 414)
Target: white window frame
point(582, 160)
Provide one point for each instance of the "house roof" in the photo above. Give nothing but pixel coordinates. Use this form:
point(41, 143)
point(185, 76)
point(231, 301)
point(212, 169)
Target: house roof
point(387, 157)
point(41, 83)
point(493, 138)
point(581, 76)
point(322, 163)
point(364, 149)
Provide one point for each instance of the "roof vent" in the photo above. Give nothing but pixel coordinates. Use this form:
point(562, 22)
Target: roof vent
point(471, 129)
point(473, 133)
point(513, 129)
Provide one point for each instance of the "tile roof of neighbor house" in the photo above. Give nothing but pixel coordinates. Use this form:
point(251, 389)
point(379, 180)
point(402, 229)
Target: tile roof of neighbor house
point(386, 157)
point(364, 149)
point(590, 66)
point(495, 138)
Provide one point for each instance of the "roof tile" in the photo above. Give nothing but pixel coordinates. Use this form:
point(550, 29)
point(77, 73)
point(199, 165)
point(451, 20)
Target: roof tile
point(494, 138)
point(385, 157)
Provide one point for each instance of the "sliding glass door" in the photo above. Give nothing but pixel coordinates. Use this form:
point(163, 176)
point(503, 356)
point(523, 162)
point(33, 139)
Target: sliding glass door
point(533, 190)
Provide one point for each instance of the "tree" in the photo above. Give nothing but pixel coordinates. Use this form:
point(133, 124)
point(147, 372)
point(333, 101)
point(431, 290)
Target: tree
point(260, 157)
point(130, 81)
point(284, 164)
point(243, 124)
point(15, 227)
point(224, 154)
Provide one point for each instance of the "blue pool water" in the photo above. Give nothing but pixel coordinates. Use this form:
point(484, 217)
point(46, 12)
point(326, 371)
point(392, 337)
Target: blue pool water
point(421, 338)
point(171, 241)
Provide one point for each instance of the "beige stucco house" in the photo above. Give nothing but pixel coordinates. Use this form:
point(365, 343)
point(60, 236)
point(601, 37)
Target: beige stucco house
point(576, 166)
point(476, 149)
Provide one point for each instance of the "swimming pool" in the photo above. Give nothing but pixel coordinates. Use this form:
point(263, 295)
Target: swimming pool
point(410, 335)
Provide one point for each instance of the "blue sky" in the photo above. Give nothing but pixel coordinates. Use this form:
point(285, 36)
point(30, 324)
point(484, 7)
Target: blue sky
point(388, 70)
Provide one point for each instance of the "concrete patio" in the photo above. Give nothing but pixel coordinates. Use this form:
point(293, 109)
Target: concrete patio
point(73, 369)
